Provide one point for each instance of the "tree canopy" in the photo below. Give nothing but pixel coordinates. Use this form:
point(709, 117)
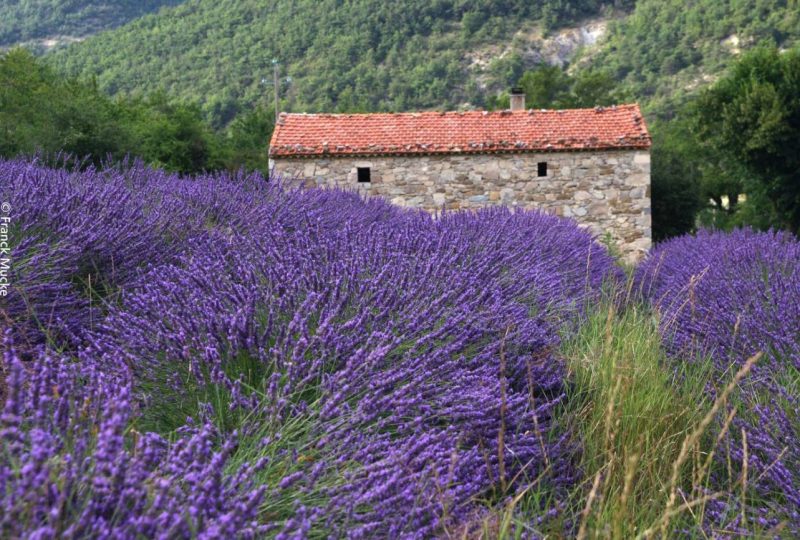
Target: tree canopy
point(41, 112)
point(752, 117)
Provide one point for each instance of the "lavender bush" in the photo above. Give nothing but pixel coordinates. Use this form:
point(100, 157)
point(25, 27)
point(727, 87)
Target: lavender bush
point(728, 296)
point(71, 466)
point(363, 370)
point(392, 331)
point(79, 238)
point(76, 238)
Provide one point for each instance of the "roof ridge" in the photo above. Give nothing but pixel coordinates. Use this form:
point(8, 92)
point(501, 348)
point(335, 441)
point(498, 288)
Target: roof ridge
point(615, 107)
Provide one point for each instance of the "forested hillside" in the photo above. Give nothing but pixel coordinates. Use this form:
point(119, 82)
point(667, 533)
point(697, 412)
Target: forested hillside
point(23, 21)
point(370, 55)
point(342, 56)
point(667, 49)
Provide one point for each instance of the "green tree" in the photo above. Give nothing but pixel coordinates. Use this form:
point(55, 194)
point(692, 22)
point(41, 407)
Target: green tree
point(361, 55)
point(40, 112)
point(546, 87)
point(550, 87)
point(595, 87)
point(752, 117)
point(23, 98)
point(471, 22)
point(676, 193)
point(30, 19)
point(174, 136)
point(248, 139)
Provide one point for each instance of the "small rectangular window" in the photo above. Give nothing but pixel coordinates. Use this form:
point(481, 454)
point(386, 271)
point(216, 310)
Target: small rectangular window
point(363, 175)
point(542, 168)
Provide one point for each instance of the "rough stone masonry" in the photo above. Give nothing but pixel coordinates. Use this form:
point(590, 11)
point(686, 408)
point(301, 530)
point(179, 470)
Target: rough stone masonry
point(605, 186)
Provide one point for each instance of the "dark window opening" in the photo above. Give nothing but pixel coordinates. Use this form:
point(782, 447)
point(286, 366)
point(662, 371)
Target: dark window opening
point(363, 175)
point(542, 168)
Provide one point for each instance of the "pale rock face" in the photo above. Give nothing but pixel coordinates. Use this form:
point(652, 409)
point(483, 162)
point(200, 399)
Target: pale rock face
point(607, 191)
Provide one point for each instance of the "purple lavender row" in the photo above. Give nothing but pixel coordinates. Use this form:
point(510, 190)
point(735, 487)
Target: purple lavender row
point(395, 330)
point(411, 343)
point(729, 296)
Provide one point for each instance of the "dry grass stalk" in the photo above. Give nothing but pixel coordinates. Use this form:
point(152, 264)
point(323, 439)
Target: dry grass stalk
point(630, 473)
point(744, 477)
point(769, 467)
point(705, 467)
point(693, 438)
point(609, 327)
point(610, 433)
point(501, 462)
point(667, 323)
point(532, 400)
point(587, 510)
point(682, 508)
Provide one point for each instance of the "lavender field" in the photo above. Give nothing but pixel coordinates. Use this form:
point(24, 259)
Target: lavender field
point(217, 357)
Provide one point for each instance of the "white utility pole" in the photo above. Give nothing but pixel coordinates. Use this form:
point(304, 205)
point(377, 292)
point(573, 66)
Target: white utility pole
point(275, 85)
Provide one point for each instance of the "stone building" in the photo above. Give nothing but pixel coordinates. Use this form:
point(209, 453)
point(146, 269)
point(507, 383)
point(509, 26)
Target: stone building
point(592, 165)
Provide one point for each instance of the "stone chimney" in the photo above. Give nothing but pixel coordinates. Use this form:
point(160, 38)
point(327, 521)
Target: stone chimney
point(517, 99)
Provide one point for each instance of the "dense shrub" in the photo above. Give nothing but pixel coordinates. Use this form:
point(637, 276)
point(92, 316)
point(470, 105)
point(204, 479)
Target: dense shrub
point(729, 296)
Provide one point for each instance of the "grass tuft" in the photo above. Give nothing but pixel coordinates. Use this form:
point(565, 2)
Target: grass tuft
point(648, 433)
point(631, 417)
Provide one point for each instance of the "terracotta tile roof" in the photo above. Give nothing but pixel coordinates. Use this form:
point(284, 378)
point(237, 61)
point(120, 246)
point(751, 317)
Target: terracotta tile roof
point(616, 127)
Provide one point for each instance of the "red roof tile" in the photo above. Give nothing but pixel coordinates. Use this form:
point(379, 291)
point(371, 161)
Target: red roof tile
point(616, 127)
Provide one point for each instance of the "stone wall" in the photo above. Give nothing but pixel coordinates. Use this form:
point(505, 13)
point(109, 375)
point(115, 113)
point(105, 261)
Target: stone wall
point(606, 191)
